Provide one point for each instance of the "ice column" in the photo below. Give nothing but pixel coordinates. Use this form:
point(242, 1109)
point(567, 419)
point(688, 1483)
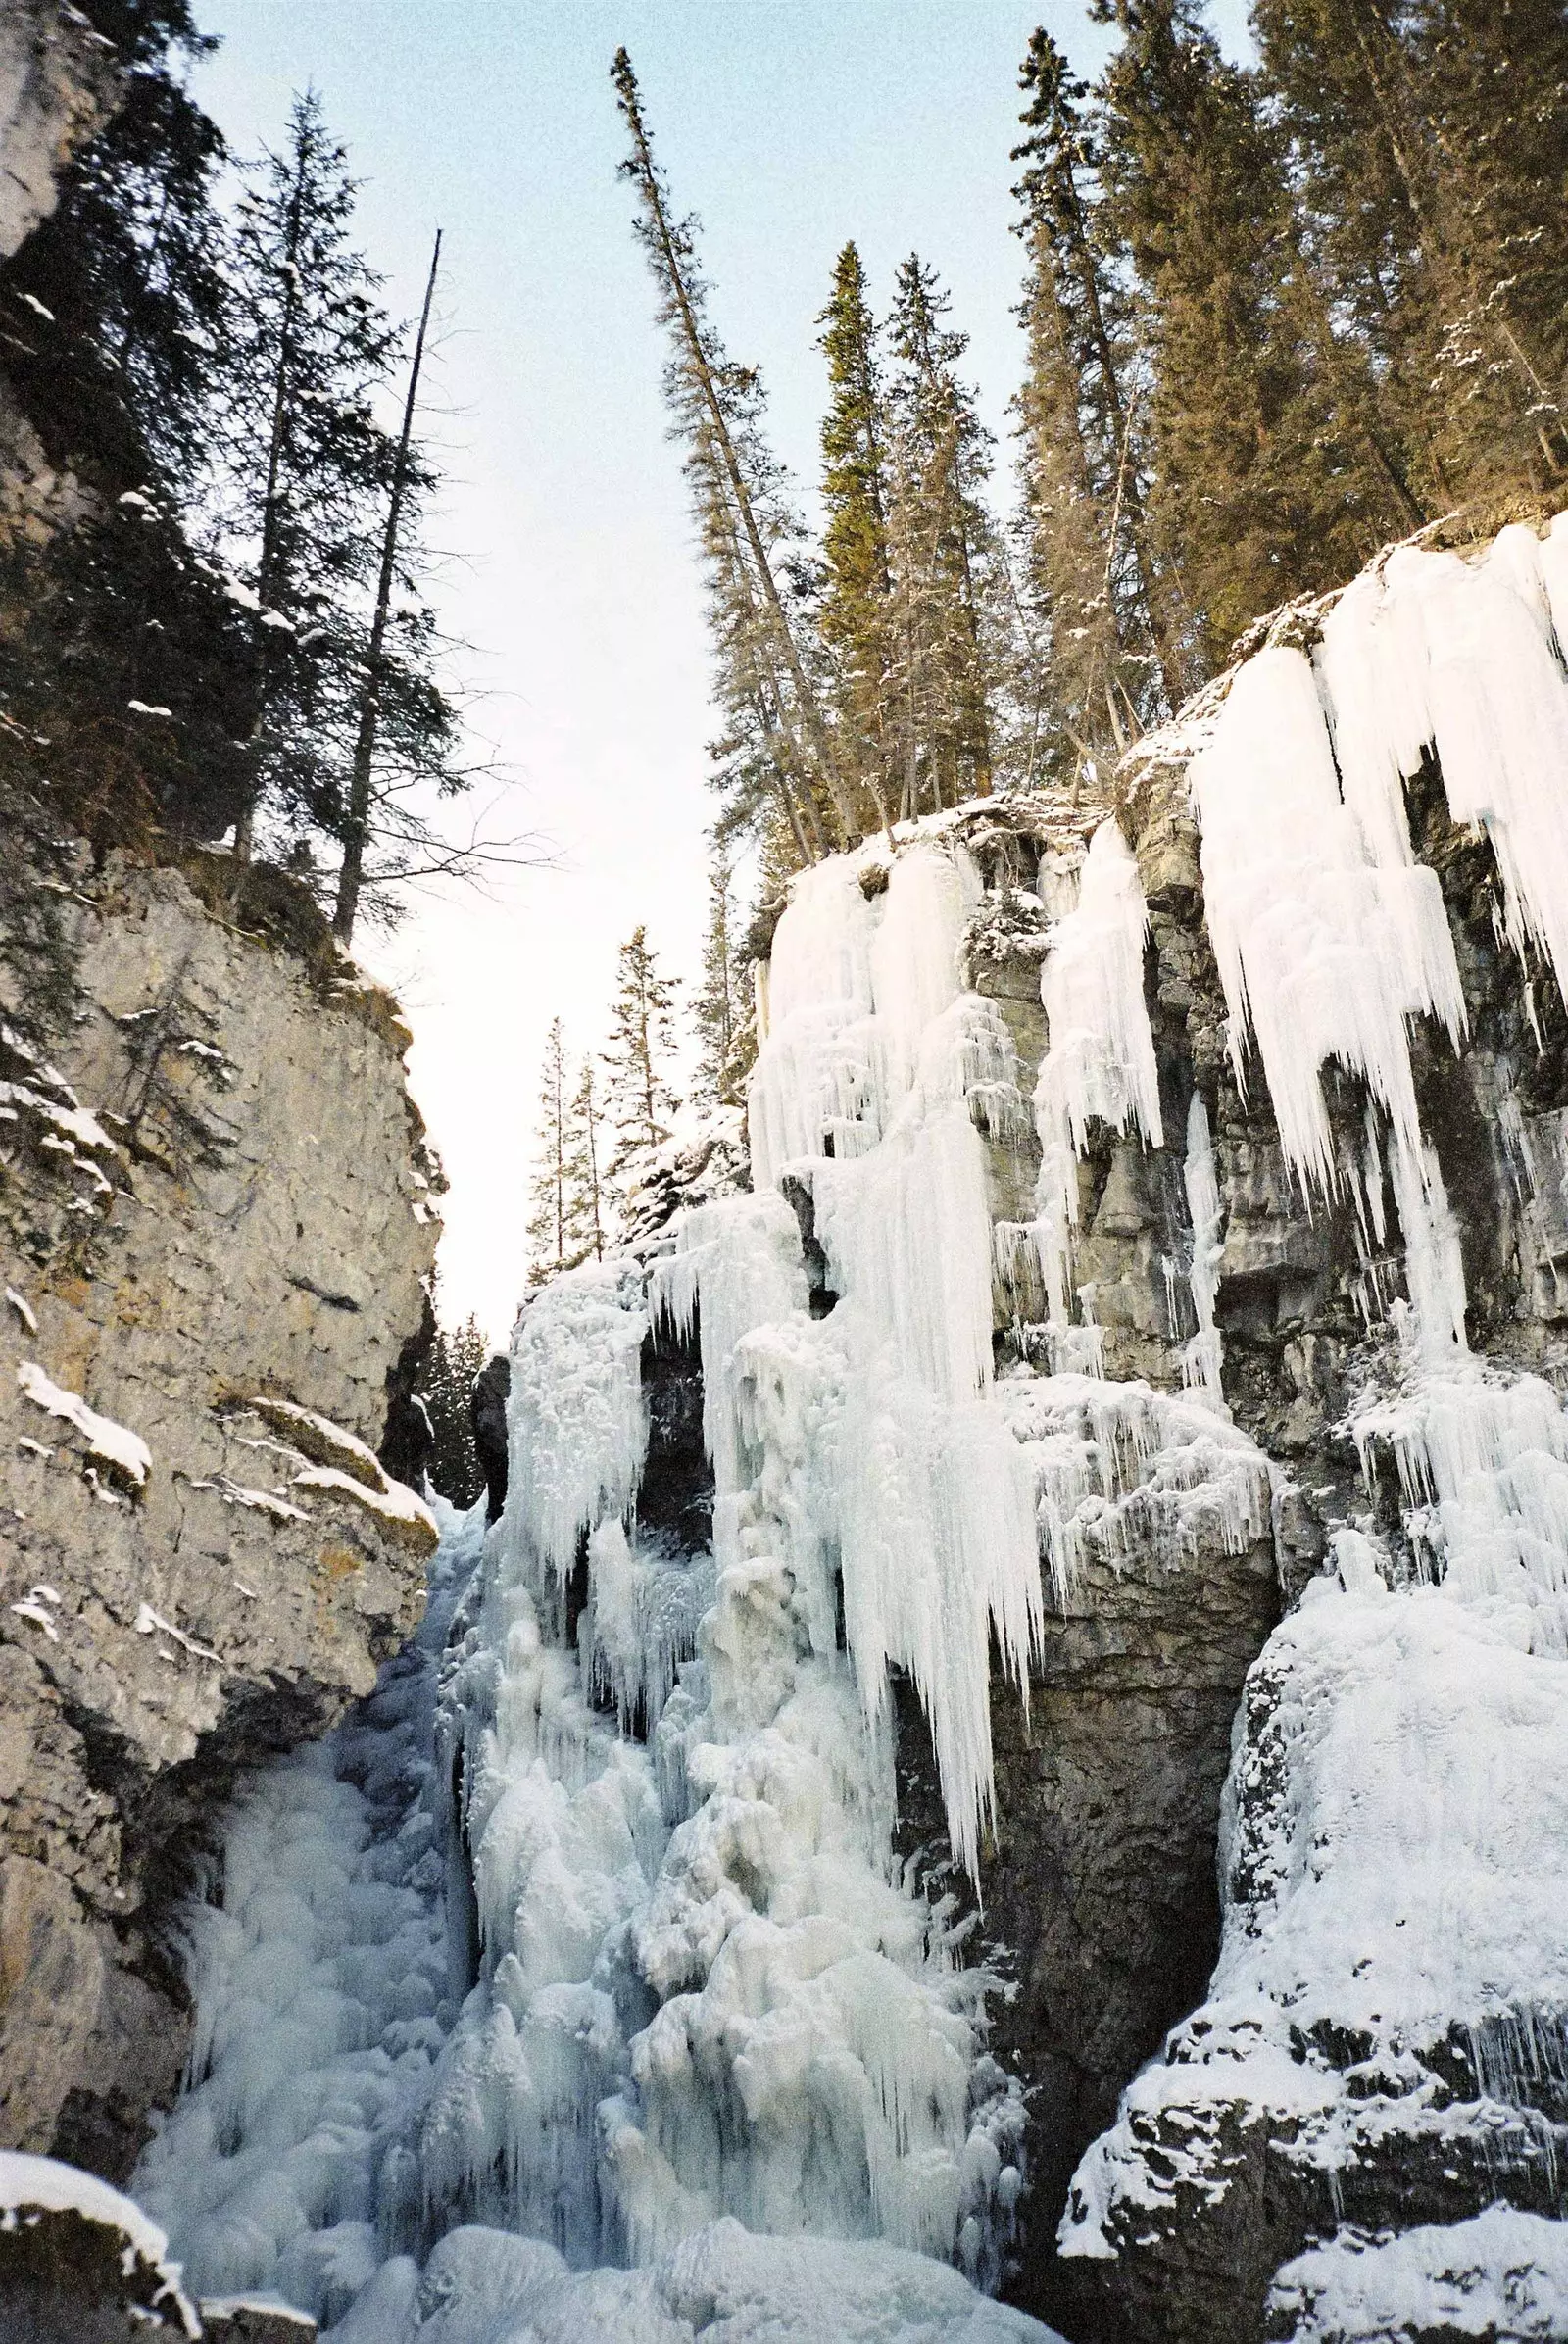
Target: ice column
point(1322, 951)
point(1465, 658)
point(1099, 1064)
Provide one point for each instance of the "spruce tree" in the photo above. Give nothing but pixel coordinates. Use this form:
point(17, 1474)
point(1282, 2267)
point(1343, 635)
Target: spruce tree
point(1429, 146)
point(309, 347)
point(941, 546)
point(588, 1229)
point(457, 1357)
point(857, 600)
point(726, 1032)
point(399, 709)
point(1110, 659)
point(549, 1191)
point(768, 684)
point(1263, 486)
point(638, 1061)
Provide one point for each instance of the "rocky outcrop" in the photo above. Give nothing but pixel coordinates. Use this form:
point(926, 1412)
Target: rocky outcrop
point(59, 82)
point(1379, 2051)
point(216, 1217)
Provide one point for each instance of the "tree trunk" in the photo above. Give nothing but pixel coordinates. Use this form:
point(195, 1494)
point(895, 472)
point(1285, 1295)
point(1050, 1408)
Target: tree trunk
point(351, 877)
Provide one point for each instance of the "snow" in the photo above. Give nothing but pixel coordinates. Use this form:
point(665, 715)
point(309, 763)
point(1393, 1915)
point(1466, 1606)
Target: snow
point(722, 2285)
point(43, 2183)
point(152, 1623)
point(124, 1449)
point(71, 1122)
point(1503, 2274)
point(24, 1309)
point(396, 1502)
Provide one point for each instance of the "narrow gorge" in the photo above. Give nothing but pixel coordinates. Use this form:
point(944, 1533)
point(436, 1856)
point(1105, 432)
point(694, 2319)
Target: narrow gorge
point(1117, 1424)
point(991, 1761)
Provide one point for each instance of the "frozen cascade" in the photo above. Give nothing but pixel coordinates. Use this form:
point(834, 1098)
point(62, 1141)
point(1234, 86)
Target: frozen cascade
point(1465, 658)
point(683, 1985)
point(1323, 951)
point(1200, 1365)
point(1395, 1825)
point(1099, 1064)
point(322, 1995)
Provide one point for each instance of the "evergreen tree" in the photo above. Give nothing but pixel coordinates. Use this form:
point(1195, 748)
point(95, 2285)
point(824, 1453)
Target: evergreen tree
point(767, 680)
point(941, 546)
point(399, 709)
point(306, 465)
point(1263, 486)
point(1110, 659)
point(856, 604)
point(1429, 148)
point(639, 1101)
point(549, 1194)
point(456, 1357)
point(726, 1031)
point(587, 1202)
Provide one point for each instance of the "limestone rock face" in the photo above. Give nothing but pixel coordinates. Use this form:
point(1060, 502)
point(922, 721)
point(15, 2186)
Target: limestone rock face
point(59, 82)
point(215, 1219)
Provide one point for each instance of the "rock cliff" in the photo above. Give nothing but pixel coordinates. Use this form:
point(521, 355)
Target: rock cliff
point(215, 1221)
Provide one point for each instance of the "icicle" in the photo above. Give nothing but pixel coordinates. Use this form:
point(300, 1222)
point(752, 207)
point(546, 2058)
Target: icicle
point(1464, 656)
point(1323, 952)
point(1200, 1361)
point(577, 1424)
point(1100, 1063)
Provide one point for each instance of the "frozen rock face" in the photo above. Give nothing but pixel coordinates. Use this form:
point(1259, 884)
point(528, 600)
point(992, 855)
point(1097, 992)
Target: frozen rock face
point(1348, 856)
point(57, 82)
point(215, 1221)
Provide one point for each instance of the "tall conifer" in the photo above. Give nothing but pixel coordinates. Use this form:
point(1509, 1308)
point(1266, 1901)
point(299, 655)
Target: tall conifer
point(548, 1225)
point(717, 409)
point(941, 543)
point(1262, 485)
point(639, 1062)
point(858, 594)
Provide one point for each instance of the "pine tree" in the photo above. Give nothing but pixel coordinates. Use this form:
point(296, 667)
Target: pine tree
point(588, 1230)
point(639, 1103)
point(549, 1191)
point(767, 684)
point(856, 603)
point(941, 543)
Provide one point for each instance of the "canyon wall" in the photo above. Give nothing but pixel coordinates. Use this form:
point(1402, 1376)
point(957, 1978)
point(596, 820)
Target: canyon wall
point(216, 1224)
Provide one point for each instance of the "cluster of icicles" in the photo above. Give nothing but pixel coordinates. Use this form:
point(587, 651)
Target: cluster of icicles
point(693, 1980)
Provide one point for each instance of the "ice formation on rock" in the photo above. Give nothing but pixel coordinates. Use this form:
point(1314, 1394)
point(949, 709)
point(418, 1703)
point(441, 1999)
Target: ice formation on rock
point(1406, 1765)
point(1393, 1980)
point(1503, 2274)
point(322, 1995)
point(1100, 1063)
point(1323, 951)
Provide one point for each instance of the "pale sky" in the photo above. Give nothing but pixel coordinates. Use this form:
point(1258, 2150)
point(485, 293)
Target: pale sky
point(789, 126)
